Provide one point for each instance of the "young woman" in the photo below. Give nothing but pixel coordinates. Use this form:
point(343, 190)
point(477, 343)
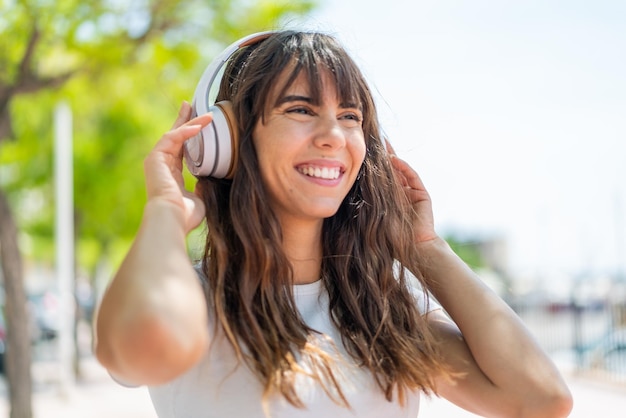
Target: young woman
point(312, 298)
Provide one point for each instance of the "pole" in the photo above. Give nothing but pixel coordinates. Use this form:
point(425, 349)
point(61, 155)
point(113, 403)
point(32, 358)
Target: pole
point(64, 239)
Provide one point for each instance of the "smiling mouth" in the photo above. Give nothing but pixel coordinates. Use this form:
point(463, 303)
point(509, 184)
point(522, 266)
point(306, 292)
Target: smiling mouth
point(327, 173)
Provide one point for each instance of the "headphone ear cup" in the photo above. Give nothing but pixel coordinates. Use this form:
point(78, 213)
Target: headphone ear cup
point(213, 152)
point(230, 140)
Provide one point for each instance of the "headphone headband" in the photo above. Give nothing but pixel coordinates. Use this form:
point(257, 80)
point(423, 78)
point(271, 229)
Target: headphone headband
point(201, 95)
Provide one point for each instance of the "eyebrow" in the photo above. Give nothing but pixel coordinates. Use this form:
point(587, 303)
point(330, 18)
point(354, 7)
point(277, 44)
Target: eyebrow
point(297, 98)
point(294, 98)
point(351, 105)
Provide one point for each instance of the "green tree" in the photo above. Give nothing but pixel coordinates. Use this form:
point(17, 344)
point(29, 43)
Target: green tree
point(123, 67)
point(468, 250)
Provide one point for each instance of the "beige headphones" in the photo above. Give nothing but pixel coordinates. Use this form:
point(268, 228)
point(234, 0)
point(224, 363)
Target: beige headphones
point(213, 152)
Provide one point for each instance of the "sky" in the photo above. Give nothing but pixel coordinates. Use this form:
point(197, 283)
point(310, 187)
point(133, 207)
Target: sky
point(513, 113)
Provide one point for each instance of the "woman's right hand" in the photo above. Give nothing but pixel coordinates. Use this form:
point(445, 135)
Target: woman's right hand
point(164, 164)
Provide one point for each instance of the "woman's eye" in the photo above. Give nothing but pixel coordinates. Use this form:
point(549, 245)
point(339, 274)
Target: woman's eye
point(352, 117)
point(300, 111)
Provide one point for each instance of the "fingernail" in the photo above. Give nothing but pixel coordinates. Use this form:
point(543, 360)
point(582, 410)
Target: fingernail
point(192, 127)
point(184, 106)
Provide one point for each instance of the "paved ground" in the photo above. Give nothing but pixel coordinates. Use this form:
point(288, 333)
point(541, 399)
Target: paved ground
point(93, 396)
point(96, 396)
point(591, 399)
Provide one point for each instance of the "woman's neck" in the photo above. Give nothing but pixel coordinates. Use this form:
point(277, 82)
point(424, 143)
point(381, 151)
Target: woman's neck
point(303, 246)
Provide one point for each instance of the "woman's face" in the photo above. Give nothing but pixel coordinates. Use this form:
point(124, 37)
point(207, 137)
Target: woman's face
point(309, 154)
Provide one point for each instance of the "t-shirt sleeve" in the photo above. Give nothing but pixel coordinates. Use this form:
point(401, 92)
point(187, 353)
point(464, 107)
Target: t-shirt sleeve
point(121, 381)
point(425, 301)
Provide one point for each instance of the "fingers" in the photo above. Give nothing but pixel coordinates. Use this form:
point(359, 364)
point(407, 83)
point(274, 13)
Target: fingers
point(408, 176)
point(171, 142)
point(416, 193)
point(184, 114)
point(183, 120)
point(390, 149)
point(164, 163)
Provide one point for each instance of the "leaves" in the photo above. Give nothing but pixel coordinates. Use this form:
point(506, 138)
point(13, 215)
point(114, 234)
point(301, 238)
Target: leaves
point(124, 68)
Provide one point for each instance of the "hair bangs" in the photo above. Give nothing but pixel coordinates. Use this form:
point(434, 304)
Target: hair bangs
point(315, 55)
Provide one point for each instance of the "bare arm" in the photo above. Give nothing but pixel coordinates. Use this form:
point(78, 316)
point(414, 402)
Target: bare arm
point(504, 373)
point(151, 325)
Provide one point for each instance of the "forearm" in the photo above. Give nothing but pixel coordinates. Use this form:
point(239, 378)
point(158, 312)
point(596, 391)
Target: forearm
point(499, 343)
point(482, 316)
point(151, 324)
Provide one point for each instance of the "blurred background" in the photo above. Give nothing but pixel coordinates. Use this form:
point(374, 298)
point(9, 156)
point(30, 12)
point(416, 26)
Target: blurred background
point(512, 113)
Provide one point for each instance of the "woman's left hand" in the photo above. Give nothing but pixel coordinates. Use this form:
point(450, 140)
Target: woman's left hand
point(424, 224)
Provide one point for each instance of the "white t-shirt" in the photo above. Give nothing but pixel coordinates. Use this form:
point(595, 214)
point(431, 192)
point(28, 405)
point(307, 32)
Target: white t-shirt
point(217, 387)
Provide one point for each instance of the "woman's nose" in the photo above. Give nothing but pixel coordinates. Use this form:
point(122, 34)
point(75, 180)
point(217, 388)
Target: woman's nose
point(329, 133)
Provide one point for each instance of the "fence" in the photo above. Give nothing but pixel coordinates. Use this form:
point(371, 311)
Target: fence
point(584, 338)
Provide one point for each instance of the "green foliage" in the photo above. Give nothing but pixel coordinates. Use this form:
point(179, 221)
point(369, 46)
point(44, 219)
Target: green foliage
point(468, 250)
point(123, 67)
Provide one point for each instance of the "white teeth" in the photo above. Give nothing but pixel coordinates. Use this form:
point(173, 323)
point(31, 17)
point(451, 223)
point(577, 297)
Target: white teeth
point(320, 172)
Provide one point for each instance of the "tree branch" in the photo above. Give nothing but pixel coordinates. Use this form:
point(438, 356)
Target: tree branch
point(25, 63)
point(6, 128)
point(26, 81)
point(7, 92)
point(31, 83)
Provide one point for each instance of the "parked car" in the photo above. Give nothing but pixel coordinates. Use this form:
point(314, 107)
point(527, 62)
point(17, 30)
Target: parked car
point(3, 335)
point(44, 311)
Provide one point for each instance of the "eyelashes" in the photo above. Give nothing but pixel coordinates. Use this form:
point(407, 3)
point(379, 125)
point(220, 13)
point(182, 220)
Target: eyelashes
point(352, 117)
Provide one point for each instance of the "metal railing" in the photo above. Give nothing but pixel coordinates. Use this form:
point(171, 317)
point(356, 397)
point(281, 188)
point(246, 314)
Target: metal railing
point(584, 338)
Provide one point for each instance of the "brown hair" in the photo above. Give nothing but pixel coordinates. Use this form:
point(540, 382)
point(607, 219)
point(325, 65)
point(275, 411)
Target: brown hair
point(367, 244)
